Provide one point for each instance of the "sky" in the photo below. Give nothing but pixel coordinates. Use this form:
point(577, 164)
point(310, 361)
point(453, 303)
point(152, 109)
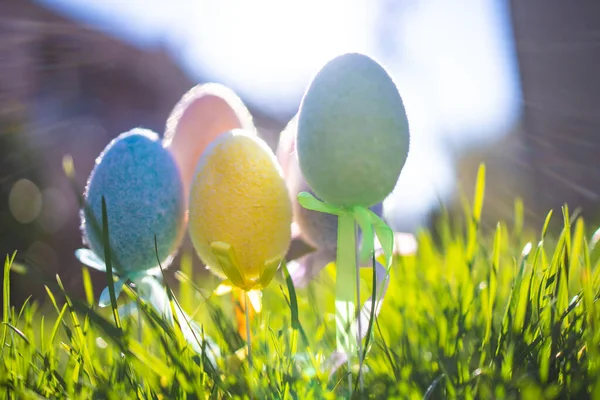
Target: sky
point(453, 62)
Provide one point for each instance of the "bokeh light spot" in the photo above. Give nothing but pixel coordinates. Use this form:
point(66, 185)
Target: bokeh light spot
point(55, 211)
point(42, 255)
point(25, 201)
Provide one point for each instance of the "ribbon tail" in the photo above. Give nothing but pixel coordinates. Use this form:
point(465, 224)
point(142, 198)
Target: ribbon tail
point(345, 292)
point(385, 236)
point(381, 285)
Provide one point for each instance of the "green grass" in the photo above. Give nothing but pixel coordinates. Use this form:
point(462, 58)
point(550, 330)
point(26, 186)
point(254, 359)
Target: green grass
point(506, 314)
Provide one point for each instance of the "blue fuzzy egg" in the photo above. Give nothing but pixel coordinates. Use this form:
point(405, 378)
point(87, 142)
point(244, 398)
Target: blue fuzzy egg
point(144, 196)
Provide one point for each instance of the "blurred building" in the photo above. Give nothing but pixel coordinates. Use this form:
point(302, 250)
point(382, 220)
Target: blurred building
point(559, 53)
point(552, 157)
point(66, 88)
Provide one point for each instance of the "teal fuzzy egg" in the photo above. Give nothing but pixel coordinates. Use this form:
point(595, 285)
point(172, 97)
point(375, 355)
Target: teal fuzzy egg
point(144, 197)
point(353, 133)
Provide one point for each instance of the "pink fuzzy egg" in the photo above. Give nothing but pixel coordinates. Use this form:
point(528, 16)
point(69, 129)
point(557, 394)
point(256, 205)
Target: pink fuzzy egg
point(202, 114)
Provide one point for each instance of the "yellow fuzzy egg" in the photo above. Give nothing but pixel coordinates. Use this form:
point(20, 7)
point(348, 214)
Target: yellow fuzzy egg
point(239, 208)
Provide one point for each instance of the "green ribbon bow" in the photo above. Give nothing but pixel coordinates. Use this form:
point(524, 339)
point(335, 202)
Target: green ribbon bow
point(225, 254)
point(347, 269)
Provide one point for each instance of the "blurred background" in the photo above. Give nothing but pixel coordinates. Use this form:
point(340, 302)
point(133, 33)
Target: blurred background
point(513, 84)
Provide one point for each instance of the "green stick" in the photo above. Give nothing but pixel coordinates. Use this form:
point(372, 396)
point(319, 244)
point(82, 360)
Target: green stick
point(345, 292)
point(358, 307)
point(246, 305)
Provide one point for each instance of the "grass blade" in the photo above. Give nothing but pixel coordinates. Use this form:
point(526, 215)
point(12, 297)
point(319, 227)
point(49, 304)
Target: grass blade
point(6, 297)
point(479, 194)
point(88, 286)
point(293, 303)
point(109, 266)
point(371, 323)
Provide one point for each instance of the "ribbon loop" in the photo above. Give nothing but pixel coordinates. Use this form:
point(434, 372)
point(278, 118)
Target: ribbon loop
point(310, 202)
point(364, 220)
point(370, 224)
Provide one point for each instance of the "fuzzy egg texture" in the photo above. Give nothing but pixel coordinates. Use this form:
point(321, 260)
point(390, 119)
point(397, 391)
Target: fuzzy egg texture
point(140, 182)
point(353, 133)
point(238, 196)
point(317, 229)
point(203, 113)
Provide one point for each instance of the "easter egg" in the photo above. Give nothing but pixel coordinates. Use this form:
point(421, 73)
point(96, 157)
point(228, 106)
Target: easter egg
point(201, 114)
point(238, 197)
point(144, 197)
point(353, 133)
point(317, 229)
